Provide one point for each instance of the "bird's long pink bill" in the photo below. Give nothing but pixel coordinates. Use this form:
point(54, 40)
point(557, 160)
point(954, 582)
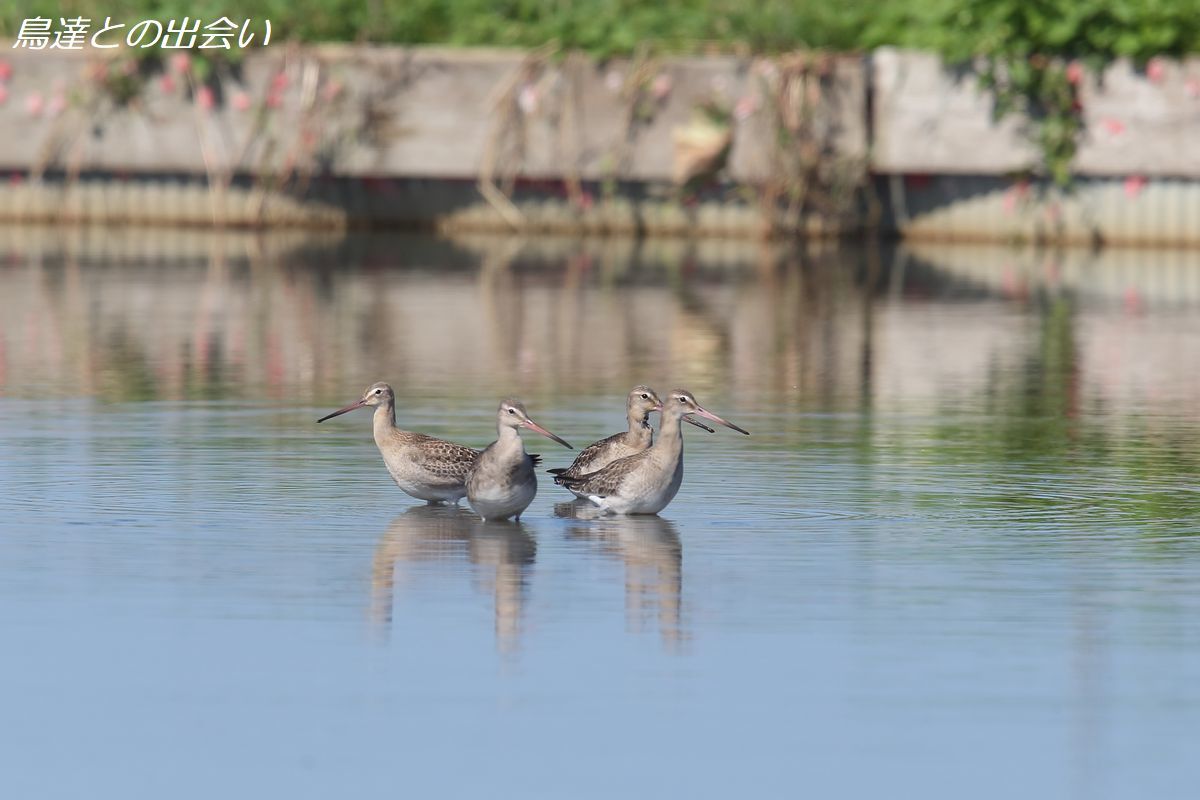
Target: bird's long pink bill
point(695, 422)
point(718, 420)
point(533, 426)
point(340, 411)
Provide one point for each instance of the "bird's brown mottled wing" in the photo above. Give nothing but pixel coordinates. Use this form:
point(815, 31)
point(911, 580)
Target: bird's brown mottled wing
point(606, 481)
point(446, 460)
point(582, 463)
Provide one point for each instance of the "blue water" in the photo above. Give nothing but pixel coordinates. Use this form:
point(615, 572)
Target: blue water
point(970, 571)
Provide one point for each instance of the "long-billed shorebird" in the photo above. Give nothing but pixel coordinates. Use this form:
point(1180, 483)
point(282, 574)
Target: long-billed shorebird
point(425, 467)
point(502, 482)
point(645, 482)
point(640, 403)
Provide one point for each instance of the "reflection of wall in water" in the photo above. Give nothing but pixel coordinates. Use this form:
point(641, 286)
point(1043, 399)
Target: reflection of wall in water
point(239, 315)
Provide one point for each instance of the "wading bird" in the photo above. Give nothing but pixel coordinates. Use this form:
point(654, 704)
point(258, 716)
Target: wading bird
point(645, 482)
point(502, 482)
point(641, 401)
point(425, 467)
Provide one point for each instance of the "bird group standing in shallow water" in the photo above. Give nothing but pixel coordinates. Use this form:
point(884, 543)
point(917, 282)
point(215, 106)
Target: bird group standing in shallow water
point(626, 473)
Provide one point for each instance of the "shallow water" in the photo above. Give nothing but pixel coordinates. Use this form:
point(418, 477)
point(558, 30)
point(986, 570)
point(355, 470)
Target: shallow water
point(958, 557)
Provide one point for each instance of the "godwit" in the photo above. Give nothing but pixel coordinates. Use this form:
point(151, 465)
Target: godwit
point(645, 482)
point(502, 483)
point(638, 405)
point(427, 468)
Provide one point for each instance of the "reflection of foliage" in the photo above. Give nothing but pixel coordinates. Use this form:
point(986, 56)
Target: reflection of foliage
point(1048, 454)
point(1033, 411)
point(126, 374)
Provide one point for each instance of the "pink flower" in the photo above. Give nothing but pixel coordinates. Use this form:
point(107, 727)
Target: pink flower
point(34, 104)
point(1156, 69)
point(527, 99)
point(1134, 185)
point(205, 98)
point(1016, 195)
point(661, 87)
point(767, 69)
point(1075, 73)
point(1132, 300)
point(181, 63)
point(1192, 87)
point(166, 82)
point(1114, 126)
point(5, 71)
point(274, 98)
point(279, 82)
point(331, 91)
point(745, 107)
point(240, 101)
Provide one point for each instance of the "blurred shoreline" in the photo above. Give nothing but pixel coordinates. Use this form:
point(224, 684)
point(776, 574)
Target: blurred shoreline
point(140, 314)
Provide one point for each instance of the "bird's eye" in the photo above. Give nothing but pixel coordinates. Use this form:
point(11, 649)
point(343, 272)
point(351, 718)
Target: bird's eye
point(379, 391)
point(645, 397)
point(511, 411)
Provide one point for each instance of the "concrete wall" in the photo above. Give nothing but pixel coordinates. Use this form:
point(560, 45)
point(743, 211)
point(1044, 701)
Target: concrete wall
point(401, 113)
point(473, 139)
point(932, 120)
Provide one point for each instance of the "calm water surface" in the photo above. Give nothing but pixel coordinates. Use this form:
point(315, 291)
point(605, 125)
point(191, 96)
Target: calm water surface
point(959, 556)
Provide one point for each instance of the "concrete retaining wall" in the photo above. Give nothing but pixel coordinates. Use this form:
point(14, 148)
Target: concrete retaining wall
point(402, 113)
point(341, 136)
point(932, 120)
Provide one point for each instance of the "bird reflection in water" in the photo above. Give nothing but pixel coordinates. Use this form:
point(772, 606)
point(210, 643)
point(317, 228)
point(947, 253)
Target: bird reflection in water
point(652, 553)
point(502, 552)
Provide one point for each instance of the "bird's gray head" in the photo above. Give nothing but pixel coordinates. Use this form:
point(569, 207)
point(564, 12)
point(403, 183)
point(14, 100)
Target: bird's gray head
point(681, 402)
point(378, 394)
point(512, 414)
point(375, 395)
point(641, 401)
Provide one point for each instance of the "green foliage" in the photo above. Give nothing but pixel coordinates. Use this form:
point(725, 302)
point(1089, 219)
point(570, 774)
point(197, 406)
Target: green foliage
point(959, 29)
point(1095, 30)
point(600, 27)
